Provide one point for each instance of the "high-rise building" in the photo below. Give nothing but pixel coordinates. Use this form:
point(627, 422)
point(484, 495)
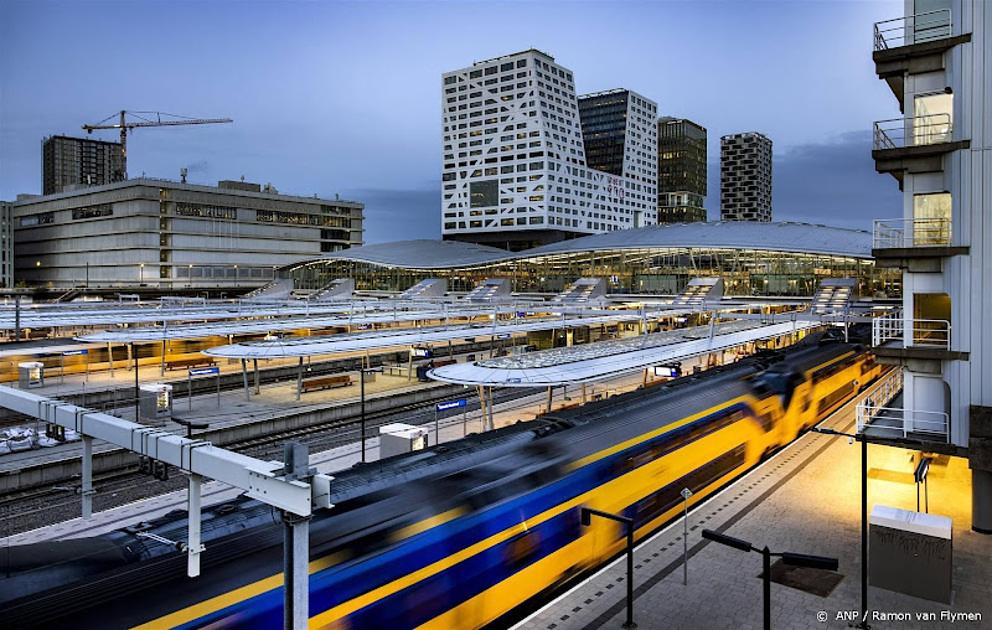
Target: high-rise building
point(935, 60)
point(6, 245)
point(745, 177)
point(681, 170)
point(515, 172)
point(617, 132)
point(68, 162)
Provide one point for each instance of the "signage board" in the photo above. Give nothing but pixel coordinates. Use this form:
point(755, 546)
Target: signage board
point(450, 404)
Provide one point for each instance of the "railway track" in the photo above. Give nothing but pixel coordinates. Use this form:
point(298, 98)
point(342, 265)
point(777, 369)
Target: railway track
point(29, 509)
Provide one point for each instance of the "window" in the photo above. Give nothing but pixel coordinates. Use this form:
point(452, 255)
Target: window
point(932, 219)
point(484, 193)
point(92, 212)
point(210, 212)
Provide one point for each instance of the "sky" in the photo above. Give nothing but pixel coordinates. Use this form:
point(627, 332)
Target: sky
point(345, 97)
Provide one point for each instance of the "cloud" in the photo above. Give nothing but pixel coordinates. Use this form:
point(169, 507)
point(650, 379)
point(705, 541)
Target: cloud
point(400, 214)
point(832, 182)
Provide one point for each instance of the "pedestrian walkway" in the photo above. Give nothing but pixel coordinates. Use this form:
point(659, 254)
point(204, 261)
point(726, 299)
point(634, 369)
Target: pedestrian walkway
point(806, 500)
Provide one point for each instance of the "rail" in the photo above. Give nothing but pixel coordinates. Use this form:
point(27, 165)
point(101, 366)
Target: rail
point(917, 232)
point(904, 421)
point(912, 29)
point(912, 131)
point(925, 333)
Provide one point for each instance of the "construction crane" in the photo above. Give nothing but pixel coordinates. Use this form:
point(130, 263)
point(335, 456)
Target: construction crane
point(145, 119)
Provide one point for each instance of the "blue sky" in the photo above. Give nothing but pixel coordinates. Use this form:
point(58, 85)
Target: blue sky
point(343, 97)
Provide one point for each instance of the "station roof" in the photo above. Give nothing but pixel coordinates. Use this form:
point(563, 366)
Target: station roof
point(312, 346)
point(606, 359)
point(785, 237)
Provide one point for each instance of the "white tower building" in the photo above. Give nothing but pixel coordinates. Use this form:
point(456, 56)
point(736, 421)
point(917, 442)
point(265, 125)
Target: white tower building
point(514, 171)
point(936, 61)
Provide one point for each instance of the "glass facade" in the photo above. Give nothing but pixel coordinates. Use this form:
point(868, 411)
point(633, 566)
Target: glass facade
point(645, 271)
point(681, 170)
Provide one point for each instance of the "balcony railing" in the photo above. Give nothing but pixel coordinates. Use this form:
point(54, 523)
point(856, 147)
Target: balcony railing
point(913, 131)
point(913, 29)
point(926, 333)
point(903, 421)
point(901, 233)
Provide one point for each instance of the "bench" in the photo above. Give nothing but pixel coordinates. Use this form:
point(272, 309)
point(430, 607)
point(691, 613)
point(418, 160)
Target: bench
point(326, 382)
point(179, 364)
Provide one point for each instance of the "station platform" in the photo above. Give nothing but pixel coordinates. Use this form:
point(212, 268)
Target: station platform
point(805, 499)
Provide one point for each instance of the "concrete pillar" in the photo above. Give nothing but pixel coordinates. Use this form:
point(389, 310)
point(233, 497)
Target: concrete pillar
point(296, 557)
point(87, 473)
point(299, 379)
point(193, 546)
point(110, 358)
point(244, 378)
point(981, 501)
point(258, 383)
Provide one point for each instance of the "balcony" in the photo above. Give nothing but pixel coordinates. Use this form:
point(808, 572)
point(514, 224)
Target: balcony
point(913, 44)
point(905, 424)
point(928, 339)
point(915, 244)
point(915, 144)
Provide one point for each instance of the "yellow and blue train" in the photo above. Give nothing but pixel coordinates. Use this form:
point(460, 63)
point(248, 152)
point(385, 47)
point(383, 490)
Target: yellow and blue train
point(458, 535)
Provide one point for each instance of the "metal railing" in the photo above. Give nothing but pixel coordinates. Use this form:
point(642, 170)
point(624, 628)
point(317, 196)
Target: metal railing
point(913, 29)
point(922, 232)
point(925, 333)
point(904, 421)
point(912, 131)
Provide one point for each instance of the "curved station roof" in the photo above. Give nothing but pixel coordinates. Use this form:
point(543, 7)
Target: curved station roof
point(786, 236)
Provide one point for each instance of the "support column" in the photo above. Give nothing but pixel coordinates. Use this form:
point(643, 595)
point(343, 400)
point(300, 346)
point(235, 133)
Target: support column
point(550, 398)
point(86, 492)
point(299, 379)
point(583, 393)
point(110, 358)
point(244, 378)
point(296, 556)
point(409, 366)
point(258, 384)
point(193, 546)
point(161, 369)
point(492, 420)
point(981, 501)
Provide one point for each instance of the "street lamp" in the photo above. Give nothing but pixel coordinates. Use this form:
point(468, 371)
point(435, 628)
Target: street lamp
point(361, 379)
point(864, 518)
point(141, 274)
point(586, 515)
point(794, 559)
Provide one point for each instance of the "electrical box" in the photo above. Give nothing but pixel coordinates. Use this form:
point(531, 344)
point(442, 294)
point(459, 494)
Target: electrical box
point(31, 374)
point(910, 552)
point(155, 401)
point(398, 438)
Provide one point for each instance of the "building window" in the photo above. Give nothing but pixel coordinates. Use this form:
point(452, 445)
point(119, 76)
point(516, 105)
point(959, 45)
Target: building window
point(484, 193)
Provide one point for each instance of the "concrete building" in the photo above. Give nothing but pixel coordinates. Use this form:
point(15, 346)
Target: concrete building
point(745, 177)
point(68, 162)
point(514, 168)
point(6, 245)
point(164, 235)
point(681, 170)
point(935, 59)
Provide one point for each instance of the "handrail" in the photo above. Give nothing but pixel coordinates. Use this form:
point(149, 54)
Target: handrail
point(910, 29)
point(905, 421)
point(926, 333)
point(915, 232)
point(912, 131)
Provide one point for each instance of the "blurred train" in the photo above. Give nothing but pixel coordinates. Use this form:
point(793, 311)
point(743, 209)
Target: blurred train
point(457, 535)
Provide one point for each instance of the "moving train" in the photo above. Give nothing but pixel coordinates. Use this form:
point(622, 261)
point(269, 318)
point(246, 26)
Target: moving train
point(457, 535)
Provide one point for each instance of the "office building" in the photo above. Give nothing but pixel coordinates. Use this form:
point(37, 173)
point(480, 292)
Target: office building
point(6, 245)
point(68, 162)
point(514, 164)
point(165, 235)
point(618, 133)
point(681, 170)
point(934, 59)
point(745, 177)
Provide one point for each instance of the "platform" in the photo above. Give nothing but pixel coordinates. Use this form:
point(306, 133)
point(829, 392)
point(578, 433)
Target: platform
point(806, 500)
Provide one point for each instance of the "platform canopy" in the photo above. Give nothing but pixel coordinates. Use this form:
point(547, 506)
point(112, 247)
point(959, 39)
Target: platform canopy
point(606, 359)
point(370, 340)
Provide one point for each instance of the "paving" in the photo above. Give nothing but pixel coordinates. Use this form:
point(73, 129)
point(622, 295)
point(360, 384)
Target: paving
point(806, 499)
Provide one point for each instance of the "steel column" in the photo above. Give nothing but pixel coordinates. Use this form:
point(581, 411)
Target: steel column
point(86, 491)
point(296, 556)
point(193, 546)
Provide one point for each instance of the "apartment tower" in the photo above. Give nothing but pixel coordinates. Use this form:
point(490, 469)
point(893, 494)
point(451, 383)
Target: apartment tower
point(745, 177)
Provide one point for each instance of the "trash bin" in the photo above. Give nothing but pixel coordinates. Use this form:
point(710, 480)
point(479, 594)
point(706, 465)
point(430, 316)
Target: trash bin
point(910, 552)
point(31, 374)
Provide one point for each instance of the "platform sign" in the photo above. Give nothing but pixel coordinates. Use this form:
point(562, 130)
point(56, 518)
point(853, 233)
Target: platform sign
point(504, 336)
point(668, 371)
point(206, 371)
point(451, 404)
point(424, 353)
point(74, 353)
point(196, 373)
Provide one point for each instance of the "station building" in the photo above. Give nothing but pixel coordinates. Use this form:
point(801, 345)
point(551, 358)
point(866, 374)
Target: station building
point(760, 259)
point(158, 235)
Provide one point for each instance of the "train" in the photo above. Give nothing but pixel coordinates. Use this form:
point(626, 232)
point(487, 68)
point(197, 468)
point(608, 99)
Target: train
point(460, 534)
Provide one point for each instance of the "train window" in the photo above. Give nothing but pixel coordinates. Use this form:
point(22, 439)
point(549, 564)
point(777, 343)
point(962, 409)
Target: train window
point(521, 548)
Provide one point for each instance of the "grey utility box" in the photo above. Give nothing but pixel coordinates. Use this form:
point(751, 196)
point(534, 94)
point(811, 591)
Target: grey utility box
point(155, 401)
point(398, 438)
point(31, 374)
point(910, 552)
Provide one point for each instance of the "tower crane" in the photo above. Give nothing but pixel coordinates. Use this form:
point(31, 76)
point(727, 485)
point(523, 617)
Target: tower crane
point(145, 119)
